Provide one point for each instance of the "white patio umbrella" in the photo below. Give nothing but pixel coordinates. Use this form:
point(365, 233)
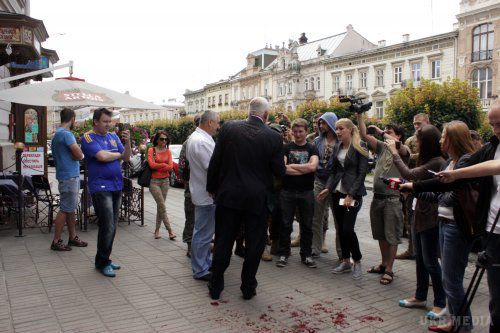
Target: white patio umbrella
point(72, 92)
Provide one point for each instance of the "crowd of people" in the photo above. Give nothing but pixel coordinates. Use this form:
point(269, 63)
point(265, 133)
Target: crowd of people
point(251, 184)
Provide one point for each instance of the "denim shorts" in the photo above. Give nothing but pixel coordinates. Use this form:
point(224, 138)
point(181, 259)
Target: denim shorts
point(69, 190)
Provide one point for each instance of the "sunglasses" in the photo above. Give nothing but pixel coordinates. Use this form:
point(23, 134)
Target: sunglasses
point(162, 139)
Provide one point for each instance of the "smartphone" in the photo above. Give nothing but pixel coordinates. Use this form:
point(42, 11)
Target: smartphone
point(342, 200)
point(371, 131)
point(432, 172)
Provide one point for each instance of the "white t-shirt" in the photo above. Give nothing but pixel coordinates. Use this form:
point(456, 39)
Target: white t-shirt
point(495, 199)
point(443, 211)
point(341, 157)
point(199, 150)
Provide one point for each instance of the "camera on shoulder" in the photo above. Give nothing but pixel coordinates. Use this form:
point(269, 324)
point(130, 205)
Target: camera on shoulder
point(357, 105)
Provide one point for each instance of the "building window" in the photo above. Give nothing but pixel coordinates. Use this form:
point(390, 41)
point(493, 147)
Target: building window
point(362, 79)
point(249, 91)
point(415, 73)
point(348, 83)
point(306, 82)
point(336, 83)
point(481, 79)
point(220, 99)
point(398, 74)
point(312, 83)
point(280, 89)
point(243, 96)
point(379, 78)
point(318, 86)
point(482, 42)
point(379, 109)
point(289, 87)
point(436, 69)
point(256, 90)
point(266, 87)
point(226, 99)
point(235, 93)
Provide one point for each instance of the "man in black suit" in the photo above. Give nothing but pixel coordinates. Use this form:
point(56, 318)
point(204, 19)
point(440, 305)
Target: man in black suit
point(246, 156)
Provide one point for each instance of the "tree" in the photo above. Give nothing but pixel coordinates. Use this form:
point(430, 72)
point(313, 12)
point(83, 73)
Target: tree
point(452, 100)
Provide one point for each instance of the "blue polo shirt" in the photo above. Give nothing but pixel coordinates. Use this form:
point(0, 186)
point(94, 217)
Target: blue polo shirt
point(66, 166)
point(102, 176)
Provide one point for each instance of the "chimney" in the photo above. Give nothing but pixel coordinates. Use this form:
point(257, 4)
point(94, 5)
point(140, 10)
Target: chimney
point(303, 38)
point(406, 38)
point(381, 43)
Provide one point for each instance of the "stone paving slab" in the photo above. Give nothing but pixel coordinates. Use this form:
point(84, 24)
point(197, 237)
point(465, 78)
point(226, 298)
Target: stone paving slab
point(46, 291)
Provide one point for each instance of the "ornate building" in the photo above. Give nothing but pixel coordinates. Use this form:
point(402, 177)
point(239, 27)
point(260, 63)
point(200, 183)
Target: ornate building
point(349, 64)
point(478, 47)
point(172, 110)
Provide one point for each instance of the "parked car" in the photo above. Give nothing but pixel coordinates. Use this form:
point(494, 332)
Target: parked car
point(175, 180)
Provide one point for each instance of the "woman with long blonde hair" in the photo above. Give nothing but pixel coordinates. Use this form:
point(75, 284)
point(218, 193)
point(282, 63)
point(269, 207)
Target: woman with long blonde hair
point(347, 185)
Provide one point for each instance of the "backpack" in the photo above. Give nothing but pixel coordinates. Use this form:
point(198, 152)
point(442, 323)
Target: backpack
point(184, 164)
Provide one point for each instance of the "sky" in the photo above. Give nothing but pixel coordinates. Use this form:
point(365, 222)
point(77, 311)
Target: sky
point(158, 49)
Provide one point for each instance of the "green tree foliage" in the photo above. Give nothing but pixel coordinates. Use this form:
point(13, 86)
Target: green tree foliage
point(451, 100)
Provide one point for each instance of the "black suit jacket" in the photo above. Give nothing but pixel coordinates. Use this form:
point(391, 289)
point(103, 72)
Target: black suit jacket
point(352, 174)
point(246, 156)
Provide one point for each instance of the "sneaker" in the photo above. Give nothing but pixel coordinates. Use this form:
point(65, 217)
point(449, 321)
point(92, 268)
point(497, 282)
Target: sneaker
point(342, 268)
point(309, 262)
point(59, 246)
point(282, 261)
point(356, 271)
point(107, 271)
point(115, 266)
point(77, 242)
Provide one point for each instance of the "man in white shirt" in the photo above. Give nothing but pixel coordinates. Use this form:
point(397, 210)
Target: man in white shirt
point(200, 147)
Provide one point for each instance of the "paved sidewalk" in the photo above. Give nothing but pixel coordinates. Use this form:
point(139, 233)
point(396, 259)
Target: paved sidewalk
point(46, 291)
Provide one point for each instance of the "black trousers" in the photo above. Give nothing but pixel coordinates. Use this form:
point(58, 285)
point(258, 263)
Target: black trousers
point(346, 220)
point(227, 226)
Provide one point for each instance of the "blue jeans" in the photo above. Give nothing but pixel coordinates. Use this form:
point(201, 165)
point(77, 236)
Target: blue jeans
point(493, 273)
point(204, 228)
point(426, 249)
point(455, 250)
point(107, 208)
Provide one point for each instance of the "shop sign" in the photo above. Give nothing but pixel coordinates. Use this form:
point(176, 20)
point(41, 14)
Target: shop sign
point(10, 35)
point(33, 64)
point(33, 161)
point(80, 95)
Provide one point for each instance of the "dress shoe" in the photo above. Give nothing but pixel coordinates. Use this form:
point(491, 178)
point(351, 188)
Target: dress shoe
point(249, 294)
point(205, 277)
point(214, 294)
point(107, 271)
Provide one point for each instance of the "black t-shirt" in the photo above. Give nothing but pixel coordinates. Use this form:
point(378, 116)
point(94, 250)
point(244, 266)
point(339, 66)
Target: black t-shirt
point(299, 155)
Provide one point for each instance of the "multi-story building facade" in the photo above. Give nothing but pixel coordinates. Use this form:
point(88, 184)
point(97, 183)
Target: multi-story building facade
point(478, 47)
point(349, 64)
point(172, 110)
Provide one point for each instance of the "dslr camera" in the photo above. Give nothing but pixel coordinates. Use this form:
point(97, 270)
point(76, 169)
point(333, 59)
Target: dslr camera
point(357, 104)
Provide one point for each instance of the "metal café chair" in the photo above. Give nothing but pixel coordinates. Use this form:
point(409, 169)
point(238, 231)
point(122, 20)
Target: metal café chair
point(46, 202)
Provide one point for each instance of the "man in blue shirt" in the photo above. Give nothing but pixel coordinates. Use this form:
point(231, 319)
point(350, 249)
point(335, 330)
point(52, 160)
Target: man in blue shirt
point(67, 155)
point(103, 153)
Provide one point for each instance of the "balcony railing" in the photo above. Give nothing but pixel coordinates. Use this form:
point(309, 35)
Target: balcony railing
point(482, 55)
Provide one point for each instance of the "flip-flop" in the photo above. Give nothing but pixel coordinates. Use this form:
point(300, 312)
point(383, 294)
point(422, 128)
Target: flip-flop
point(380, 269)
point(385, 281)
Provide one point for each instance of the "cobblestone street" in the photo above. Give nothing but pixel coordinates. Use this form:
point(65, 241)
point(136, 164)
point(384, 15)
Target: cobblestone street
point(46, 291)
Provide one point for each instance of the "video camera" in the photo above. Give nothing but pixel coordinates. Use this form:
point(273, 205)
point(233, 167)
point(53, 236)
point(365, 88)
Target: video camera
point(357, 104)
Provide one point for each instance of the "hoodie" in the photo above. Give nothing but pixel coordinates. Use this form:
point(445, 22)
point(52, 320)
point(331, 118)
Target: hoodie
point(323, 171)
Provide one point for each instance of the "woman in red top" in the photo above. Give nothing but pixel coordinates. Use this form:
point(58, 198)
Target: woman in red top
point(161, 164)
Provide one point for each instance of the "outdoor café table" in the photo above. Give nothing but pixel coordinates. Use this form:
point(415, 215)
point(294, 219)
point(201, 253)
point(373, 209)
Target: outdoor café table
point(27, 180)
point(10, 189)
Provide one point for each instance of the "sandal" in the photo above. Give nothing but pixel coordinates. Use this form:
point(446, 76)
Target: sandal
point(380, 269)
point(387, 280)
point(172, 236)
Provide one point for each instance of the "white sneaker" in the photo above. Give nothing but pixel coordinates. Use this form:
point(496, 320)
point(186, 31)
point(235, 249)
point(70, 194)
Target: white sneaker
point(357, 271)
point(342, 268)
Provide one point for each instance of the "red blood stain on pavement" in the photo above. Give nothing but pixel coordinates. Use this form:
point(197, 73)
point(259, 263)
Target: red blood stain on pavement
point(370, 318)
point(339, 319)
